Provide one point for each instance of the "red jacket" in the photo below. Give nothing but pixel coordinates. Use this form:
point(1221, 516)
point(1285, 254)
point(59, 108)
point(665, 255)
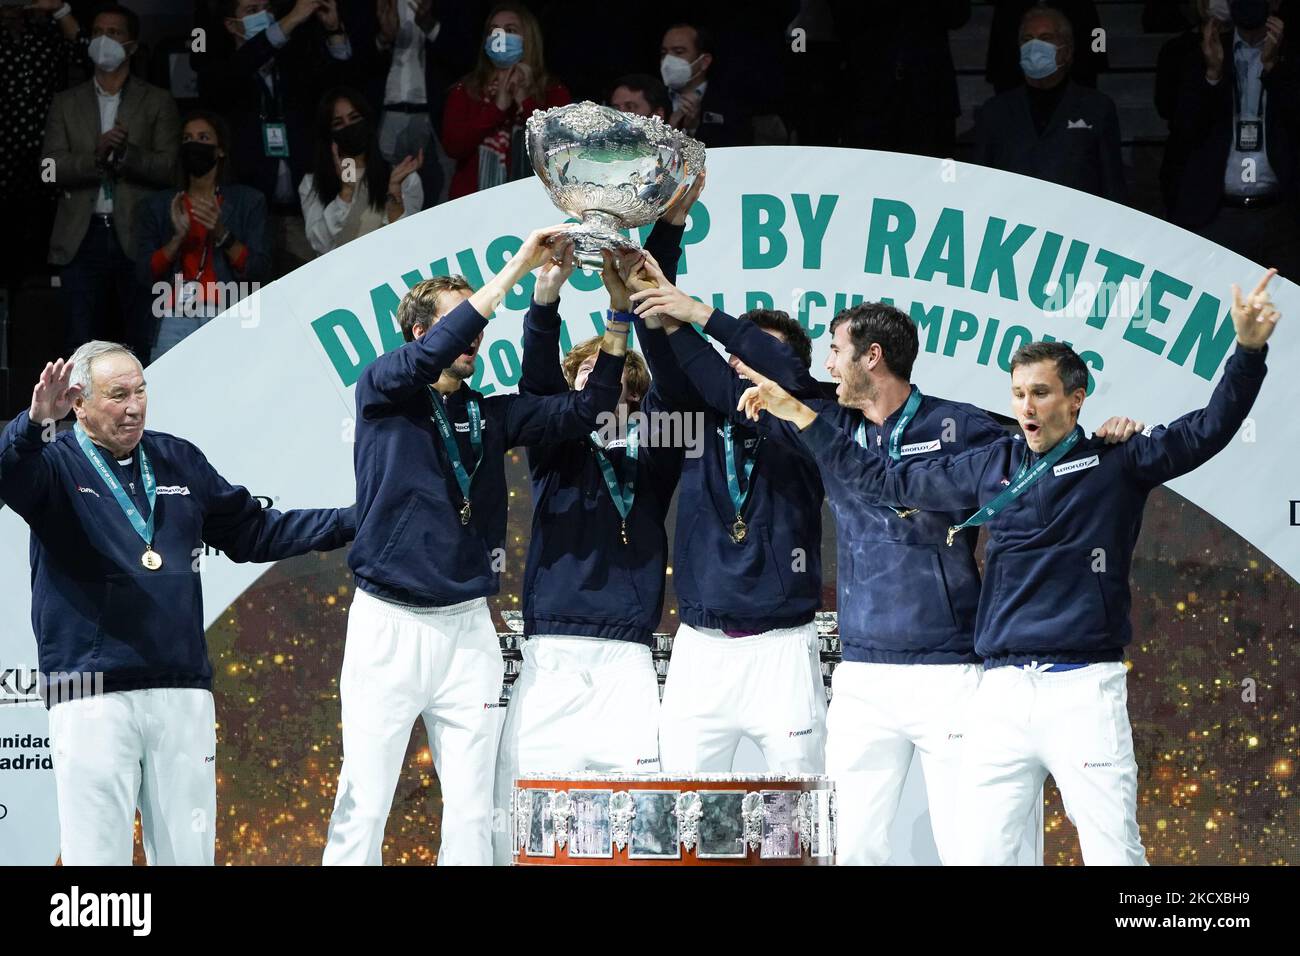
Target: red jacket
point(468, 120)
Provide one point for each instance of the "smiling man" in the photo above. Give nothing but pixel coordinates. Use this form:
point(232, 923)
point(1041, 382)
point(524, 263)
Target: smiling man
point(119, 517)
point(1063, 513)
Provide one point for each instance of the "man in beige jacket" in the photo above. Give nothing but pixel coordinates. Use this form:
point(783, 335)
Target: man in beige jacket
point(108, 143)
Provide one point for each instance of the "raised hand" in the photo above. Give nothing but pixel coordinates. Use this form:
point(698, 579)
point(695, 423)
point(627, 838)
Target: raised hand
point(537, 248)
point(52, 397)
point(1118, 429)
point(767, 396)
point(666, 299)
point(1272, 43)
point(327, 12)
point(1254, 318)
point(386, 13)
point(555, 271)
point(677, 212)
point(180, 218)
point(405, 168)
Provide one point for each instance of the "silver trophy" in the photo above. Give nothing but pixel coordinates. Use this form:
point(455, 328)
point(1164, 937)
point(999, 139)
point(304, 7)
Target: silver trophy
point(610, 170)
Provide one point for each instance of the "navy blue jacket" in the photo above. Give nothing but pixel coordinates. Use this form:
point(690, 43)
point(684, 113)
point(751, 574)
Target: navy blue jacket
point(580, 577)
point(411, 547)
point(1057, 563)
point(903, 597)
point(95, 608)
point(773, 578)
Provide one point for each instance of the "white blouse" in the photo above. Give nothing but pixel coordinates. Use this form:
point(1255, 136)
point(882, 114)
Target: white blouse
point(325, 222)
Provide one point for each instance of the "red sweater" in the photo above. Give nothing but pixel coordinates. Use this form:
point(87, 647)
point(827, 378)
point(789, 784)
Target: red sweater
point(468, 120)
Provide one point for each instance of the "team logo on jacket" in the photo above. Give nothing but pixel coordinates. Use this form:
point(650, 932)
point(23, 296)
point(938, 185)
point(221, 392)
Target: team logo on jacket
point(1083, 464)
point(173, 489)
point(921, 447)
point(748, 442)
point(88, 491)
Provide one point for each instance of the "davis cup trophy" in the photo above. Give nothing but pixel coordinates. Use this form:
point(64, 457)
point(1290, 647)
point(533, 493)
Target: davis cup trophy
point(611, 170)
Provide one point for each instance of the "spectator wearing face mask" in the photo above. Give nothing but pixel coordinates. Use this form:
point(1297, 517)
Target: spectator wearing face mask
point(203, 246)
point(486, 110)
point(37, 44)
point(1052, 128)
point(265, 75)
point(111, 140)
point(642, 94)
point(353, 191)
point(1233, 156)
point(701, 106)
point(1002, 63)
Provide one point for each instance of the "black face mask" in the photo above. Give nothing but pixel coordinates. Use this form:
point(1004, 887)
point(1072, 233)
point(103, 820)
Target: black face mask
point(352, 139)
point(197, 159)
point(1249, 14)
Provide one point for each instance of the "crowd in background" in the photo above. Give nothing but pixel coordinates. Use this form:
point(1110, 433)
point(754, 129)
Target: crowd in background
point(274, 132)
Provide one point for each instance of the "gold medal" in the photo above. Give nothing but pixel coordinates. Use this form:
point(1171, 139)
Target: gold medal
point(464, 514)
point(739, 530)
point(151, 559)
point(952, 533)
point(906, 512)
point(623, 532)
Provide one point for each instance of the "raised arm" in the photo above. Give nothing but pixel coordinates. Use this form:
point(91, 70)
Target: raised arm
point(26, 475)
point(547, 419)
point(396, 375)
point(542, 373)
point(933, 484)
point(237, 525)
point(1190, 441)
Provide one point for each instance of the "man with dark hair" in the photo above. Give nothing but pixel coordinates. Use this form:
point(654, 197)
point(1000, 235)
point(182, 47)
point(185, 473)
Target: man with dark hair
point(431, 526)
point(747, 558)
point(1063, 514)
point(1052, 128)
point(700, 104)
point(642, 94)
point(112, 141)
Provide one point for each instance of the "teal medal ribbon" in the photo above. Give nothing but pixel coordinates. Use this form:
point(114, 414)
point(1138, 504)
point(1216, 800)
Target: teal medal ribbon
point(739, 530)
point(1025, 477)
point(463, 478)
point(622, 494)
point(151, 559)
point(896, 437)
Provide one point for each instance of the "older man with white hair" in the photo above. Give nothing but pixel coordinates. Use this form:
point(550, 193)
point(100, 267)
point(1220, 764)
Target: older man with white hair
point(119, 516)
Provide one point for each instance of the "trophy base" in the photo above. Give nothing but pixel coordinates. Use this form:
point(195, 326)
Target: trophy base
point(596, 232)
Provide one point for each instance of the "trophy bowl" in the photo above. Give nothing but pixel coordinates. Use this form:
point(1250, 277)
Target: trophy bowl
point(610, 170)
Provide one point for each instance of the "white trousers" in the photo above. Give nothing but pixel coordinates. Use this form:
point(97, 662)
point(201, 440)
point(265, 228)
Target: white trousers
point(1025, 724)
point(579, 704)
point(767, 687)
point(881, 714)
point(155, 749)
point(400, 663)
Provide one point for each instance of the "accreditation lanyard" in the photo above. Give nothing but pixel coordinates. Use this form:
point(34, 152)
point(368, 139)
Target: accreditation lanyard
point(739, 530)
point(463, 478)
point(142, 527)
point(625, 493)
point(896, 437)
point(1025, 477)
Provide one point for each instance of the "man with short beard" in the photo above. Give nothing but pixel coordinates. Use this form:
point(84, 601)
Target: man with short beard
point(431, 525)
point(1053, 623)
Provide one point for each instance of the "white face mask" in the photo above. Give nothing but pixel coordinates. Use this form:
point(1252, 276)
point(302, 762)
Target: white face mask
point(106, 53)
point(675, 71)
